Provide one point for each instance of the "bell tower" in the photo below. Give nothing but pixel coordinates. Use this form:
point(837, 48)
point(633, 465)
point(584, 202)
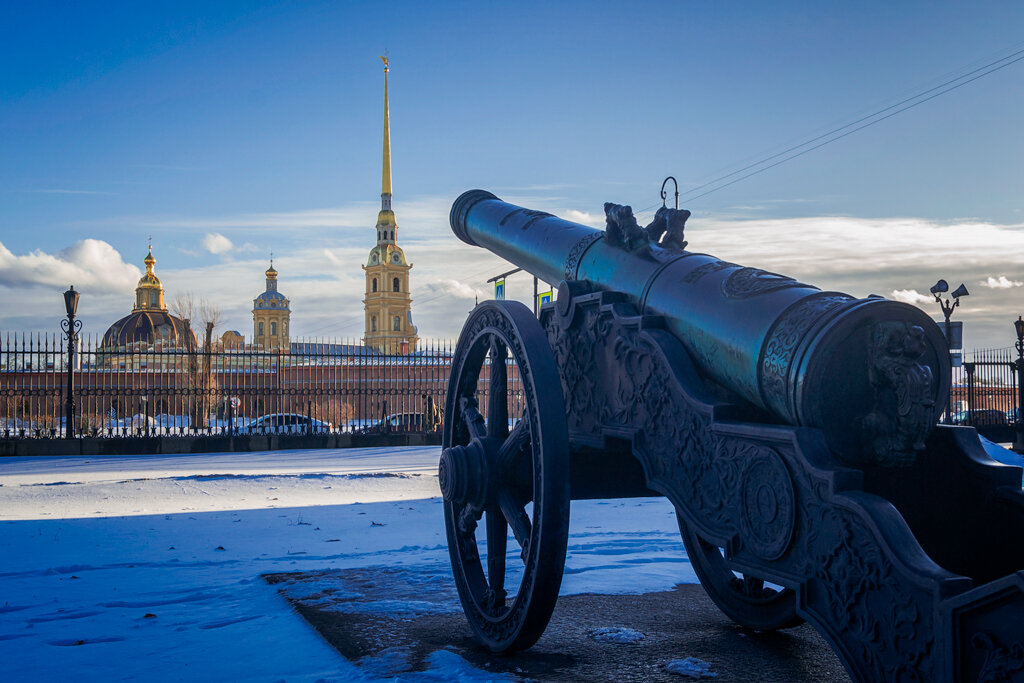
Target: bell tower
point(271, 313)
point(387, 304)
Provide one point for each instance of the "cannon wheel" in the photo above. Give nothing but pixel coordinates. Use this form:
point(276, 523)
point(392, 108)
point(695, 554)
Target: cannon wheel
point(744, 599)
point(516, 479)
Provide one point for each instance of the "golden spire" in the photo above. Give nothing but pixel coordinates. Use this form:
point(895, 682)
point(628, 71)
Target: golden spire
point(385, 187)
point(149, 261)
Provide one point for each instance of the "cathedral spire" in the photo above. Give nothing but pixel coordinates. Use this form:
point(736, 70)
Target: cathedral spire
point(385, 184)
point(386, 225)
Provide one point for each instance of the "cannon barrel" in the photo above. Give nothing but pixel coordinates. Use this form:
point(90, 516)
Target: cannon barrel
point(872, 374)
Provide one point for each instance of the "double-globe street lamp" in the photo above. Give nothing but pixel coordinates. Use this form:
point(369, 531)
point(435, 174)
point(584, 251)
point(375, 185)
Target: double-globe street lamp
point(937, 290)
point(71, 328)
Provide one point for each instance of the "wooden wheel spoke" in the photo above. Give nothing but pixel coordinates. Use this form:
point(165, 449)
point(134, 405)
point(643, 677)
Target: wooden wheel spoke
point(753, 586)
point(497, 399)
point(473, 419)
point(517, 520)
point(513, 445)
point(497, 542)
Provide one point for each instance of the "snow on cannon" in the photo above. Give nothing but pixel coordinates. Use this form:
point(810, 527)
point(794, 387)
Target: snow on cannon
point(794, 431)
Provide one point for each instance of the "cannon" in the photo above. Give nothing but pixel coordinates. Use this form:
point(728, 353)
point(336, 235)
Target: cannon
point(793, 430)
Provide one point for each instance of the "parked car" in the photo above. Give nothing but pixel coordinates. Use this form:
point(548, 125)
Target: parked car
point(399, 423)
point(980, 418)
point(285, 423)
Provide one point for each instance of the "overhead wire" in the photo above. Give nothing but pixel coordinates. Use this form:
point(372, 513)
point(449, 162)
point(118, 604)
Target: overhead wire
point(1015, 56)
point(866, 121)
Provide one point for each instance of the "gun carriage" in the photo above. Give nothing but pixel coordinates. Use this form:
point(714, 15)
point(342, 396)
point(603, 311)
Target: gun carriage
point(793, 430)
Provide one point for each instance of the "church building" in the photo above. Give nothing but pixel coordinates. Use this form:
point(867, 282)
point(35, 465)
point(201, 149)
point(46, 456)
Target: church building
point(271, 314)
point(149, 323)
point(387, 303)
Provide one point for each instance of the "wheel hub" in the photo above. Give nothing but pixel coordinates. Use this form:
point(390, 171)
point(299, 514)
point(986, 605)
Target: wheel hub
point(463, 474)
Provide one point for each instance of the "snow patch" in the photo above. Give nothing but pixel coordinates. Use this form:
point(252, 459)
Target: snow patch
point(691, 667)
point(616, 634)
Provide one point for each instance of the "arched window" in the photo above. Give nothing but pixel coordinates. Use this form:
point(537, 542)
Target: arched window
point(373, 324)
point(396, 324)
point(261, 328)
point(374, 286)
point(273, 329)
point(396, 285)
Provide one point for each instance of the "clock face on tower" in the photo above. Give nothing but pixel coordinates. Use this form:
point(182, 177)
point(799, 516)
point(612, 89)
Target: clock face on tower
point(395, 258)
point(373, 259)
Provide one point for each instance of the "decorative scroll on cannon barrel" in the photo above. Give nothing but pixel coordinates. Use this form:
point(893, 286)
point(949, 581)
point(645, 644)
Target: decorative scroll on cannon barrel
point(794, 431)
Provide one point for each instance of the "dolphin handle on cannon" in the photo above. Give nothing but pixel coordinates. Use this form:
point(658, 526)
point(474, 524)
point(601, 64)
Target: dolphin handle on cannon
point(794, 431)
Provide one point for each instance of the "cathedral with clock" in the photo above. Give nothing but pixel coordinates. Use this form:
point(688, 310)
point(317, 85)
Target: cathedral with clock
point(387, 303)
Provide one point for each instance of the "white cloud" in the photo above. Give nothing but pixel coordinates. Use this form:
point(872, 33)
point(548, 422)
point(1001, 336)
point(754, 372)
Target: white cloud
point(318, 253)
point(89, 264)
point(911, 296)
point(584, 217)
point(454, 288)
point(1002, 282)
point(332, 258)
point(216, 243)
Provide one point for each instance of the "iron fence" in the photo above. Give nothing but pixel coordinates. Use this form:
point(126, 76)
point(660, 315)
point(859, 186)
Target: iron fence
point(156, 390)
point(985, 389)
point(314, 386)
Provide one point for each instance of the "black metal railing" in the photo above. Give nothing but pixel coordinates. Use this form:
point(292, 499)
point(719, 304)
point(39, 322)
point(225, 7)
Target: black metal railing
point(140, 390)
point(985, 389)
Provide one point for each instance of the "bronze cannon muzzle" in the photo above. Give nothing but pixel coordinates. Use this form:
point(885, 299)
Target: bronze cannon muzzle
point(872, 374)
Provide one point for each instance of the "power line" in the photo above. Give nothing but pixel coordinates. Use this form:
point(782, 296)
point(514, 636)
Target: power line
point(1019, 57)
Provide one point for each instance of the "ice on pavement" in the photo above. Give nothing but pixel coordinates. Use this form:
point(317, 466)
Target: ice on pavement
point(616, 634)
point(691, 667)
point(123, 568)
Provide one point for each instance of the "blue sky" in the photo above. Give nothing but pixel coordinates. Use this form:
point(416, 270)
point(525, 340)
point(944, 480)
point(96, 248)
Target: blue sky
point(227, 130)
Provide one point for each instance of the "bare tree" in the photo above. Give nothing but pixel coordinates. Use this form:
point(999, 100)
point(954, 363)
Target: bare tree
point(199, 311)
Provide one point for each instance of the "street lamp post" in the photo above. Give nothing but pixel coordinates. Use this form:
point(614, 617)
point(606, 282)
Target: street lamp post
point(145, 415)
point(1018, 325)
point(937, 290)
point(71, 328)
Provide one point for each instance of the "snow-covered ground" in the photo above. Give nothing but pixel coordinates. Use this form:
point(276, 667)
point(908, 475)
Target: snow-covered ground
point(149, 568)
point(128, 568)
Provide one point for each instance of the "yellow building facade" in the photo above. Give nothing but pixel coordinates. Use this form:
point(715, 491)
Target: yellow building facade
point(387, 302)
point(271, 315)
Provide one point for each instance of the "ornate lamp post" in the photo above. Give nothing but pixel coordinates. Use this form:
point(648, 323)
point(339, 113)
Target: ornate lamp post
point(937, 290)
point(1018, 324)
point(71, 328)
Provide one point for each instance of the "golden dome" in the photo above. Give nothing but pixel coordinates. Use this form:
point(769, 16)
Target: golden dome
point(149, 294)
point(149, 280)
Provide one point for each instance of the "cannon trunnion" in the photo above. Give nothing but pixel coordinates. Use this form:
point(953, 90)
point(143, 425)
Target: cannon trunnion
point(911, 572)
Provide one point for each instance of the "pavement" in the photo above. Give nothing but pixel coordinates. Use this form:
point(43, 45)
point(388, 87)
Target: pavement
point(388, 621)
